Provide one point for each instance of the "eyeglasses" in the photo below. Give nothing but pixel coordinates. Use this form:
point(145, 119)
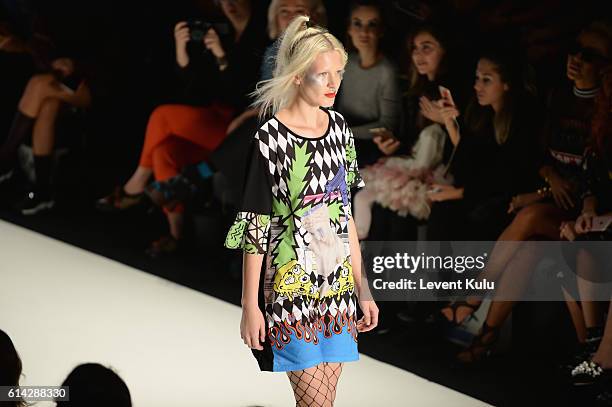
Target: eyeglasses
point(588, 55)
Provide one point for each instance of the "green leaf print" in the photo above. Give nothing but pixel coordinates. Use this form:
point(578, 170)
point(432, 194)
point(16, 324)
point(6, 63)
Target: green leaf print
point(335, 210)
point(351, 157)
point(291, 207)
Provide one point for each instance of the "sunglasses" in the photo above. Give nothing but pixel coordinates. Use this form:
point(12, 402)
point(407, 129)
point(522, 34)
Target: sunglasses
point(588, 55)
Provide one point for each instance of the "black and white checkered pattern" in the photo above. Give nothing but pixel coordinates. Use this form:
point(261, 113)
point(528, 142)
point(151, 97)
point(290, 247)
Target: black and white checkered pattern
point(327, 155)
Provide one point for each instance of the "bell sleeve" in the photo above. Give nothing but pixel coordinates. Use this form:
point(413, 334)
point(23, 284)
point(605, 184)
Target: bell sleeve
point(251, 228)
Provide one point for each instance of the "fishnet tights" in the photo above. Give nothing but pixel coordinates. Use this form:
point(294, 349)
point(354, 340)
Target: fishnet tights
point(316, 386)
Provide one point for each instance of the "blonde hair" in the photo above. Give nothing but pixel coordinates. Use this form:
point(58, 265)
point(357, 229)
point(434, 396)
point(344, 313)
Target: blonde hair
point(316, 9)
point(299, 46)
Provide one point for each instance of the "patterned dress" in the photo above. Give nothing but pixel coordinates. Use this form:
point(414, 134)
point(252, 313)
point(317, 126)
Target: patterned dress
point(295, 210)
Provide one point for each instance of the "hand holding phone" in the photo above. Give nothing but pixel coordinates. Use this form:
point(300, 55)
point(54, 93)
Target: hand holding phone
point(447, 98)
point(601, 223)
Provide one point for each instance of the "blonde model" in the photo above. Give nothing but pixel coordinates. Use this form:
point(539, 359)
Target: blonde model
point(295, 225)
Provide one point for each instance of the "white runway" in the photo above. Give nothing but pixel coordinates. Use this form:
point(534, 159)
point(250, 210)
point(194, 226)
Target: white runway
point(173, 346)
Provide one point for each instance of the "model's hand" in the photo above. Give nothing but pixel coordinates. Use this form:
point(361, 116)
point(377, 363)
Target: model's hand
point(369, 320)
point(253, 327)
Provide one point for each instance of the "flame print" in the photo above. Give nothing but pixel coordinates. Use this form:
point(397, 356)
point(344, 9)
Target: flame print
point(284, 332)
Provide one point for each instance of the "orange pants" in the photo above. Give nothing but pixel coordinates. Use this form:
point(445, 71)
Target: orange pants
point(179, 135)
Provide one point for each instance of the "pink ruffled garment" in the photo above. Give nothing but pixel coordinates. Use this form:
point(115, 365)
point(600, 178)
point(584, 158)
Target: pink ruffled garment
point(401, 183)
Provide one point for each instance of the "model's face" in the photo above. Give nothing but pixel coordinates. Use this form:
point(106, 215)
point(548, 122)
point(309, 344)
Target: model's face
point(236, 9)
point(321, 82)
point(288, 10)
point(365, 28)
point(490, 88)
point(426, 54)
point(588, 56)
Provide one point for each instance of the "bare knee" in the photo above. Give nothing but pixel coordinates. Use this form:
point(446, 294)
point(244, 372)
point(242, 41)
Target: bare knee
point(526, 219)
point(49, 108)
point(160, 113)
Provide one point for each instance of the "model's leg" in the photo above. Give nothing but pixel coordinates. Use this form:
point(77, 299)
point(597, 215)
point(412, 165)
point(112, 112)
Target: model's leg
point(333, 372)
point(310, 387)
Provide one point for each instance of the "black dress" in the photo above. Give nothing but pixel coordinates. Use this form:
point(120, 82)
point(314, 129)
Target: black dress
point(490, 175)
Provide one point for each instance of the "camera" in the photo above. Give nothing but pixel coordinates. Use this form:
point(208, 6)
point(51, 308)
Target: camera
point(199, 28)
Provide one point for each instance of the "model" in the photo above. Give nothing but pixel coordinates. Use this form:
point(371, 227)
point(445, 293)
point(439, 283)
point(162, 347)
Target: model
point(296, 221)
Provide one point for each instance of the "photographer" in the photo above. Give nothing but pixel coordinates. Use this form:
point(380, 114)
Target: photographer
point(217, 79)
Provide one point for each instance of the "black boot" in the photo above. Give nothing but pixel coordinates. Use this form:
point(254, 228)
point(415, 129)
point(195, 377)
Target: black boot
point(40, 198)
point(20, 129)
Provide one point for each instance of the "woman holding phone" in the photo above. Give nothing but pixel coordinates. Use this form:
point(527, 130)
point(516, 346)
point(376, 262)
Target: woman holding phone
point(217, 79)
point(396, 190)
point(370, 99)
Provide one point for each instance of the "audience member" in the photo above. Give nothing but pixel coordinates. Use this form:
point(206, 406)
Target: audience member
point(179, 135)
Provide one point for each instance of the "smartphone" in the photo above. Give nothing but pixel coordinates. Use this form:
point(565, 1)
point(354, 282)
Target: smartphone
point(434, 190)
point(601, 223)
point(445, 94)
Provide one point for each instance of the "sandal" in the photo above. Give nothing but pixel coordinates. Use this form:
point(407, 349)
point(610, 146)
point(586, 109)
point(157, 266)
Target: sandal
point(165, 245)
point(119, 200)
point(481, 347)
point(588, 373)
point(455, 305)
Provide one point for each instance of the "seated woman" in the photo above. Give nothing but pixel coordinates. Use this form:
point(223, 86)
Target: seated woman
point(44, 97)
point(181, 134)
point(230, 158)
point(542, 213)
point(590, 260)
point(399, 183)
point(370, 99)
point(501, 124)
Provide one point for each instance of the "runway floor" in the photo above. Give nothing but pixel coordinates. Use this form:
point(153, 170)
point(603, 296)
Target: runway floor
point(172, 345)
